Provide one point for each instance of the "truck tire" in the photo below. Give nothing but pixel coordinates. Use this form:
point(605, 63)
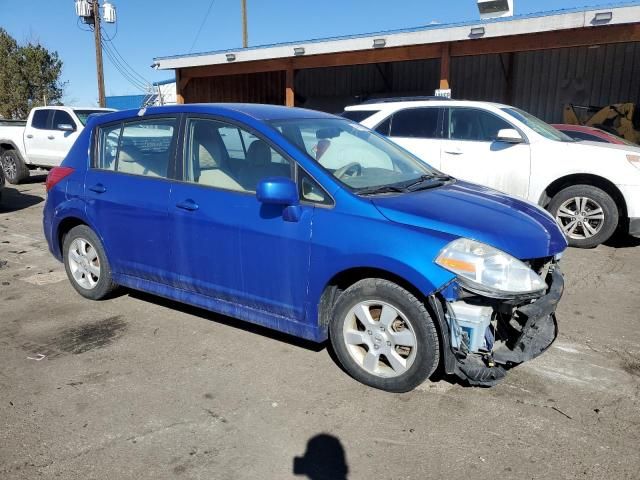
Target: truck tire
point(587, 215)
point(14, 168)
point(383, 336)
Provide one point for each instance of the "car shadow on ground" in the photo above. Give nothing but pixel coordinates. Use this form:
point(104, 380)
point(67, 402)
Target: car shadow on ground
point(14, 200)
point(622, 240)
point(229, 321)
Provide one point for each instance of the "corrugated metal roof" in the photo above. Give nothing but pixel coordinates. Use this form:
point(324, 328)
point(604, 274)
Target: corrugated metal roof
point(530, 19)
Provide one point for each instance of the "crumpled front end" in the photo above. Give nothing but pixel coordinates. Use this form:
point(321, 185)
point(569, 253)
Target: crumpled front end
point(489, 336)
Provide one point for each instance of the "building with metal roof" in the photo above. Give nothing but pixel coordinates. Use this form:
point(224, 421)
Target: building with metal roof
point(538, 62)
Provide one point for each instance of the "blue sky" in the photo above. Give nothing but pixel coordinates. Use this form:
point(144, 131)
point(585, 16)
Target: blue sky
point(148, 29)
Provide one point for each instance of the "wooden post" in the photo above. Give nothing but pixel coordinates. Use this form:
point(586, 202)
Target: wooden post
point(445, 66)
point(180, 84)
point(289, 95)
point(98, 41)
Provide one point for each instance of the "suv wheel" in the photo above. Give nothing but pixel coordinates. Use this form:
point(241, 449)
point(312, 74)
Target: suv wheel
point(86, 263)
point(587, 215)
point(383, 336)
point(14, 168)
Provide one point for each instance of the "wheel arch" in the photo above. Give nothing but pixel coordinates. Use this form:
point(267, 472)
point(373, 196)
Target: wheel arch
point(584, 179)
point(6, 145)
point(65, 226)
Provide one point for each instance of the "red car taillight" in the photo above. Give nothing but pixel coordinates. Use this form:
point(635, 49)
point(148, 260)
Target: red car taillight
point(57, 174)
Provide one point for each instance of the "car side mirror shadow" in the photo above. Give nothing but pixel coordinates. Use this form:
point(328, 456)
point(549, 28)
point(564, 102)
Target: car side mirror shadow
point(66, 127)
point(278, 191)
point(509, 135)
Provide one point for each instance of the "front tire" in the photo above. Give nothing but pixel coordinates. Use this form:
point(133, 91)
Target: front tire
point(587, 215)
point(14, 168)
point(86, 263)
point(383, 336)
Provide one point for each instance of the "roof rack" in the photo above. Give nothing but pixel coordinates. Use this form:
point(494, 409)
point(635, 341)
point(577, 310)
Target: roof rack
point(403, 99)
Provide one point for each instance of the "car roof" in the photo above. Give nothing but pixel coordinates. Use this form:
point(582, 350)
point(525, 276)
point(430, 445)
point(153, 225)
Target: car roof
point(253, 110)
point(406, 103)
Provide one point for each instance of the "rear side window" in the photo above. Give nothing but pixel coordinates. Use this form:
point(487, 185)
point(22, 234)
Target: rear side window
point(416, 123)
point(358, 115)
point(475, 125)
point(60, 117)
point(40, 119)
point(138, 148)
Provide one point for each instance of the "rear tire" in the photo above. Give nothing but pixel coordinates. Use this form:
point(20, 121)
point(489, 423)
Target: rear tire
point(14, 168)
point(587, 215)
point(383, 336)
point(86, 263)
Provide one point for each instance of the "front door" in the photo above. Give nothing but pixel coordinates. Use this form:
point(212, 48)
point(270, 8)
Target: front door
point(472, 153)
point(127, 191)
point(225, 244)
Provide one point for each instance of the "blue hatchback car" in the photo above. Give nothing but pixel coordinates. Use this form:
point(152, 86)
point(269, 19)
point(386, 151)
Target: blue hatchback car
point(312, 225)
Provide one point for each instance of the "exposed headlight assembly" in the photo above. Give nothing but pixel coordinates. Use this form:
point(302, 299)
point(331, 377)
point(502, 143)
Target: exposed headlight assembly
point(488, 271)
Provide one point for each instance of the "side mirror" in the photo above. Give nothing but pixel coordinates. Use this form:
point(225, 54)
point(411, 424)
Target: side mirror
point(66, 127)
point(509, 135)
point(278, 191)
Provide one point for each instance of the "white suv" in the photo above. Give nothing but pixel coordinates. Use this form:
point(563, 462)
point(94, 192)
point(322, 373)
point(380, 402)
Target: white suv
point(590, 188)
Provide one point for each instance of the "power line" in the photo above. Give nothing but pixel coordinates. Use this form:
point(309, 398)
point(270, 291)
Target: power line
point(122, 70)
point(204, 20)
point(124, 62)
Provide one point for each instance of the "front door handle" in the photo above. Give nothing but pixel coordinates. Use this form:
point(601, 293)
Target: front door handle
point(29, 136)
point(51, 137)
point(99, 188)
point(189, 205)
point(454, 151)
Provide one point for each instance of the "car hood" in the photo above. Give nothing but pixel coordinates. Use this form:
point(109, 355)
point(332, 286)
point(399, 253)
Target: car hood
point(601, 148)
point(466, 210)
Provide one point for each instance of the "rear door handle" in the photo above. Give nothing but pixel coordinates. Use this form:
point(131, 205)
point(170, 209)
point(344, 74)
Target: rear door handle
point(189, 205)
point(51, 137)
point(99, 188)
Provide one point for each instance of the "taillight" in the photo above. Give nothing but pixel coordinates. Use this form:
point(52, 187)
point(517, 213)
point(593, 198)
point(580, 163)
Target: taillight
point(56, 174)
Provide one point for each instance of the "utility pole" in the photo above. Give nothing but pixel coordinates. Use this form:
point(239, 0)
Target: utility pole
point(98, 40)
point(245, 33)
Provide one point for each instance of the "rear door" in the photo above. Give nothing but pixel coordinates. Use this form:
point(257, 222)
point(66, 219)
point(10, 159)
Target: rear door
point(418, 129)
point(36, 137)
point(127, 190)
point(472, 153)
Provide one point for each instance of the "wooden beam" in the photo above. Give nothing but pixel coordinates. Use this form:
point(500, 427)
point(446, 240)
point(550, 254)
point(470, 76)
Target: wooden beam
point(179, 87)
point(579, 37)
point(445, 66)
point(289, 94)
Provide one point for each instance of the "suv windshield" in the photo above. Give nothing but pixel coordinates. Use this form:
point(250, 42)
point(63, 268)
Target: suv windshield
point(538, 125)
point(361, 159)
point(83, 115)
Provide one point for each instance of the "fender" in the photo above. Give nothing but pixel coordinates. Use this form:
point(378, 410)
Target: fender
point(14, 147)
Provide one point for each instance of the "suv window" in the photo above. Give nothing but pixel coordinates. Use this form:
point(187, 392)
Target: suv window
point(416, 123)
point(40, 119)
point(475, 125)
point(138, 148)
point(224, 156)
point(60, 117)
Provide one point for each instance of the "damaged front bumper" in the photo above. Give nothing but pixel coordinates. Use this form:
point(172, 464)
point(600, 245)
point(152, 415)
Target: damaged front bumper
point(519, 331)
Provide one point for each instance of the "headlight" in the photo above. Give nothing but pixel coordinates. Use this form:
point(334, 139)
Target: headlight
point(634, 160)
point(487, 270)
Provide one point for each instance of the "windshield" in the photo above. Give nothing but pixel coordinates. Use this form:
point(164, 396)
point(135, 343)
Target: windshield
point(538, 125)
point(361, 159)
point(83, 115)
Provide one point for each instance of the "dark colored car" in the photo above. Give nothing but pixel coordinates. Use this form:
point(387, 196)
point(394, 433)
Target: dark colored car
point(591, 134)
point(312, 225)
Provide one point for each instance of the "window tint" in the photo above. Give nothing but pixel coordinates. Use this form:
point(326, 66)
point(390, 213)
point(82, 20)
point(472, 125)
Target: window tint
point(475, 125)
point(40, 119)
point(224, 156)
point(416, 123)
point(60, 117)
point(358, 115)
point(383, 128)
point(108, 147)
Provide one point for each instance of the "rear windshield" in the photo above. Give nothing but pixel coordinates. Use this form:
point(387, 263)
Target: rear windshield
point(358, 115)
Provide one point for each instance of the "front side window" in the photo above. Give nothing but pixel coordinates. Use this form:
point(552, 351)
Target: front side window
point(475, 125)
point(40, 119)
point(224, 156)
point(138, 148)
point(360, 159)
point(60, 117)
point(416, 123)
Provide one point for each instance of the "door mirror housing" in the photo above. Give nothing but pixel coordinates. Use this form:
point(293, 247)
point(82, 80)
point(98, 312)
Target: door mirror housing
point(66, 127)
point(278, 191)
point(509, 135)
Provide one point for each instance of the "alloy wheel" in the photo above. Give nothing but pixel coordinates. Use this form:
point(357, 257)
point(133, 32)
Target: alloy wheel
point(380, 339)
point(9, 165)
point(84, 263)
point(580, 217)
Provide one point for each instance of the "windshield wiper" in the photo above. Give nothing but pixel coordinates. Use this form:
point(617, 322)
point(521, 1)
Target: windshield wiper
point(427, 181)
point(381, 189)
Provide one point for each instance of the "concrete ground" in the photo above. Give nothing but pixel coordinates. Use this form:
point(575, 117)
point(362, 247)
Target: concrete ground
point(138, 387)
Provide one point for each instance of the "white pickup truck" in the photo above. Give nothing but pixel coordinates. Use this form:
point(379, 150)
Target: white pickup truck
point(42, 141)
